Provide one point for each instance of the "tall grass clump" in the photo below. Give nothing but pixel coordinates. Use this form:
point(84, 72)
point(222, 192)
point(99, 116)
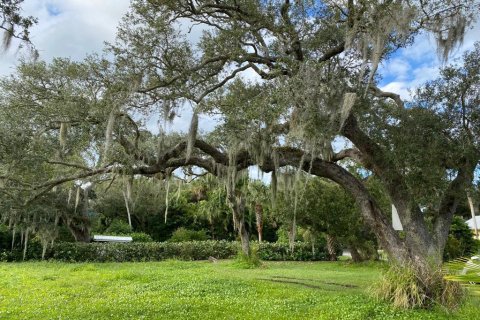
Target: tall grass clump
point(404, 288)
point(251, 261)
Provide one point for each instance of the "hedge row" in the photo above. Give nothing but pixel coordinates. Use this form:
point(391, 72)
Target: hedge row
point(274, 251)
point(156, 251)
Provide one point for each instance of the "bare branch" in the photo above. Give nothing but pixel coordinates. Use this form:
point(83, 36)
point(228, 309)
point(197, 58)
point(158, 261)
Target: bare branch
point(351, 153)
point(221, 83)
point(383, 94)
point(73, 165)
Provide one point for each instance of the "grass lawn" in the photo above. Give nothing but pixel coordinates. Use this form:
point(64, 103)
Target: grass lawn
point(199, 290)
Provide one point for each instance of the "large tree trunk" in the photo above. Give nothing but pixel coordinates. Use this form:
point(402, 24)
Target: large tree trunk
point(331, 247)
point(292, 234)
point(423, 246)
point(212, 230)
point(245, 239)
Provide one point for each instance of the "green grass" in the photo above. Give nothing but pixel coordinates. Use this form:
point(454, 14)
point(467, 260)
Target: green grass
point(200, 290)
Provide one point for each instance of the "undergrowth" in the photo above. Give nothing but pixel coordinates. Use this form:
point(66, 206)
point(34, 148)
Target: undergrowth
point(404, 288)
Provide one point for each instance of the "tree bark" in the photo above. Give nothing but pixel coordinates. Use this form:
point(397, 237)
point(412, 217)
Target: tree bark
point(79, 227)
point(259, 220)
point(331, 247)
point(127, 206)
point(237, 204)
point(356, 257)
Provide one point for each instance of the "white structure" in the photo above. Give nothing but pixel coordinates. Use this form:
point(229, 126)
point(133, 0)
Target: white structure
point(474, 225)
point(98, 238)
point(397, 224)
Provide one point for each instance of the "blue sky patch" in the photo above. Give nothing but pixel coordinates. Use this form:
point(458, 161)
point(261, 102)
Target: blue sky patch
point(53, 10)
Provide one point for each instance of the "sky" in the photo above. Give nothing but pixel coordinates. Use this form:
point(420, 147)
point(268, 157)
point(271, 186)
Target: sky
point(75, 28)
point(69, 28)
point(414, 65)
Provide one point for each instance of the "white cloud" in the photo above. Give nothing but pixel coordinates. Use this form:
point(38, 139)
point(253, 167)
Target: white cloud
point(419, 63)
point(397, 68)
point(69, 28)
point(471, 37)
point(424, 73)
point(398, 87)
point(424, 48)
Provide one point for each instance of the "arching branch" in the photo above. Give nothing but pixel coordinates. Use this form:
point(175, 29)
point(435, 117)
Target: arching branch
point(384, 94)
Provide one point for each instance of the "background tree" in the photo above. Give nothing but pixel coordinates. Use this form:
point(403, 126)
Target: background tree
point(260, 204)
point(326, 210)
point(460, 242)
point(206, 201)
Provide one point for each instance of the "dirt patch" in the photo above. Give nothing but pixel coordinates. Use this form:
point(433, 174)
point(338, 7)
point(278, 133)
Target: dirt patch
point(344, 285)
point(307, 285)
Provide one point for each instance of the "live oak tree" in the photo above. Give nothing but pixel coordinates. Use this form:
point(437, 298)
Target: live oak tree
point(314, 67)
point(317, 63)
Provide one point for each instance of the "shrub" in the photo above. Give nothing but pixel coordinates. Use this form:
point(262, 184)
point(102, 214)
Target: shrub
point(118, 227)
point(64, 235)
point(302, 251)
point(5, 256)
point(460, 240)
point(5, 237)
point(248, 262)
point(140, 237)
point(465, 271)
point(156, 251)
point(142, 251)
point(182, 234)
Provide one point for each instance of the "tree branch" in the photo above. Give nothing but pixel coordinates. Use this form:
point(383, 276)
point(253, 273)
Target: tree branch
point(456, 189)
point(395, 184)
point(383, 94)
point(351, 153)
point(73, 165)
point(332, 52)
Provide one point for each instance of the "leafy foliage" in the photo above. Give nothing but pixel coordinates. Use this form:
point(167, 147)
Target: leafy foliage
point(460, 242)
point(118, 227)
point(14, 24)
point(183, 234)
point(156, 251)
point(465, 271)
point(323, 208)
